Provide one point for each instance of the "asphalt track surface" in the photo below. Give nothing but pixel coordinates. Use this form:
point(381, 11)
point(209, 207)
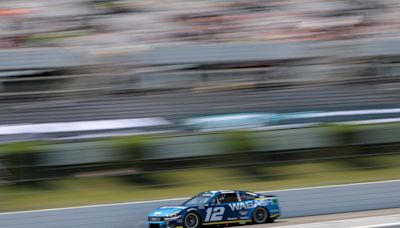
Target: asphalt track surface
point(363, 217)
point(178, 105)
point(294, 202)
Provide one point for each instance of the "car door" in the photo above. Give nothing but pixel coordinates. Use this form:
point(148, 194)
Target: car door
point(220, 209)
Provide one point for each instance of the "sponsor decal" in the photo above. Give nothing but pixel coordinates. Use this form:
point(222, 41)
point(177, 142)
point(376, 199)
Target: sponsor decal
point(264, 203)
point(244, 218)
point(231, 219)
point(243, 213)
point(241, 205)
point(207, 194)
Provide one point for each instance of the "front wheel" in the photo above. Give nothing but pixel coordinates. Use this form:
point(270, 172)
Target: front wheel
point(260, 215)
point(192, 220)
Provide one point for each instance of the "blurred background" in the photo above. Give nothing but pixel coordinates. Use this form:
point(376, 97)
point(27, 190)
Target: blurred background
point(119, 100)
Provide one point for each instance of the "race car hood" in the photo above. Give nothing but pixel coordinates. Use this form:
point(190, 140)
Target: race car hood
point(166, 211)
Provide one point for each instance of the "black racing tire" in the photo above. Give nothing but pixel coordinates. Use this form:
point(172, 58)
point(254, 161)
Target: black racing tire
point(260, 215)
point(192, 220)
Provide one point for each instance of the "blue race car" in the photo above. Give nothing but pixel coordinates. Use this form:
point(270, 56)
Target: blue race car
point(217, 207)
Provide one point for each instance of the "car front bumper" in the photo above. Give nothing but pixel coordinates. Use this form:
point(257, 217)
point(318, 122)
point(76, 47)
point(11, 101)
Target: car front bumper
point(165, 224)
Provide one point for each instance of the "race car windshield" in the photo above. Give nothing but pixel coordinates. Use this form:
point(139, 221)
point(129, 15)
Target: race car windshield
point(197, 200)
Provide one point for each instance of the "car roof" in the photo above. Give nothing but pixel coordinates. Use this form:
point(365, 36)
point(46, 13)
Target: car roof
point(227, 191)
point(218, 192)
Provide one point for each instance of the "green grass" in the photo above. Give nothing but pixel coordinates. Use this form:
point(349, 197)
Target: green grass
point(85, 191)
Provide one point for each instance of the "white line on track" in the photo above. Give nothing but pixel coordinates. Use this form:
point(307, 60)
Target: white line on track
point(367, 222)
point(380, 225)
point(184, 198)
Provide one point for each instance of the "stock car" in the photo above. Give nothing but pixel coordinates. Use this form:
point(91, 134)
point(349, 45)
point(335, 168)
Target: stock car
point(217, 208)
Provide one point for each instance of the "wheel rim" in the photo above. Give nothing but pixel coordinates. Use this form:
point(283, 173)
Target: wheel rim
point(260, 215)
point(191, 221)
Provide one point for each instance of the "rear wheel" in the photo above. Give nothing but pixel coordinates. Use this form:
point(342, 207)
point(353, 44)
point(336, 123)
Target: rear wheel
point(192, 220)
point(260, 215)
